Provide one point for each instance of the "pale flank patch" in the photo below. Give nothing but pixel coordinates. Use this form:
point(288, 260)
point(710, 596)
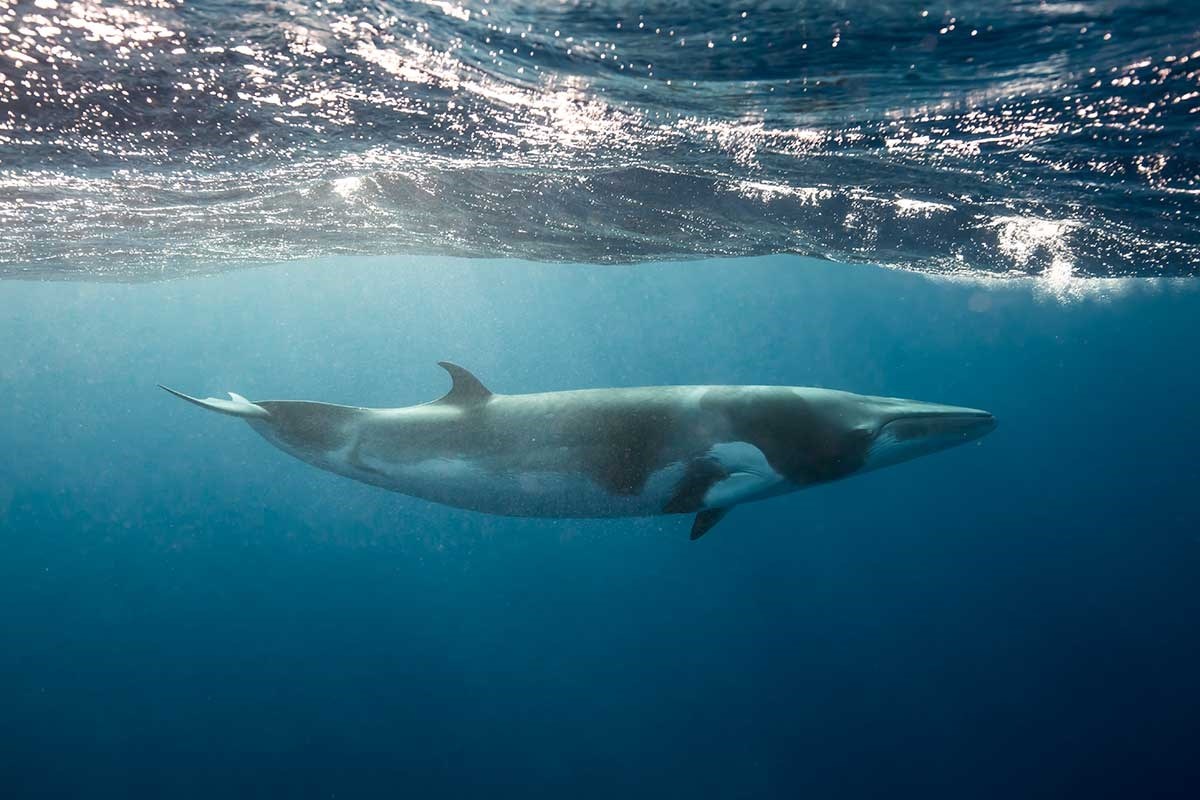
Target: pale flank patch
point(750, 475)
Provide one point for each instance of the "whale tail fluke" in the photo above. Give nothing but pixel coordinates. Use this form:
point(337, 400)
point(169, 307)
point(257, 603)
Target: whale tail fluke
point(236, 406)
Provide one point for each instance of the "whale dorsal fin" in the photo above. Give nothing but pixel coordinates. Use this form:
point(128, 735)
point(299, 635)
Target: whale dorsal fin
point(466, 390)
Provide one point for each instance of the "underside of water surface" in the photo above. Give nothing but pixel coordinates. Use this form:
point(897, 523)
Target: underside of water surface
point(145, 140)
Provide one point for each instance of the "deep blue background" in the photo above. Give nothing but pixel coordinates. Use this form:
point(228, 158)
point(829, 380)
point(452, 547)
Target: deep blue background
point(185, 611)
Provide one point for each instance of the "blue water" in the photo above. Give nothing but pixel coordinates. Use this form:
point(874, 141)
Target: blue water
point(141, 140)
point(187, 612)
point(988, 204)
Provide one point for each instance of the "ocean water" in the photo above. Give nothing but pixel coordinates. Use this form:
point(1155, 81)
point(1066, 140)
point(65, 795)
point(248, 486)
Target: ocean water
point(987, 204)
point(186, 611)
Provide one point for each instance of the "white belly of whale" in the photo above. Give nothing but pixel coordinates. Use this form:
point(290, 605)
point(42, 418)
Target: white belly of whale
point(490, 488)
point(467, 484)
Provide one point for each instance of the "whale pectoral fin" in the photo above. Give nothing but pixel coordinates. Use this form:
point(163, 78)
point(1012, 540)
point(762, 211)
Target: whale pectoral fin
point(705, 521)
point(700, 476)
point(728, 474)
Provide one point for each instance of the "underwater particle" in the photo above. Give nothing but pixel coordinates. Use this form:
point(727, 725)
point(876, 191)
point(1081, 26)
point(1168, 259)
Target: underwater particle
point(979, 302)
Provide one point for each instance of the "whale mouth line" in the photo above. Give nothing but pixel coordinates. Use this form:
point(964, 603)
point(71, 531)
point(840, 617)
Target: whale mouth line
point(964, 414)
point(926, 424)
point(909, 435)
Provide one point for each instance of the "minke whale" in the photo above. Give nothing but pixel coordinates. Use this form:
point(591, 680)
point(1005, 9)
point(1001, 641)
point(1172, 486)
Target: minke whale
point(643, 451)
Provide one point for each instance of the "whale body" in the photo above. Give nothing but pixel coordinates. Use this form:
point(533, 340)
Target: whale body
point(608, 452)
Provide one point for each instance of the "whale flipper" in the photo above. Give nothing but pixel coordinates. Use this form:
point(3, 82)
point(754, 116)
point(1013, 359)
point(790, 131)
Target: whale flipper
point(728, 474)
point(237, 406)
point(467, 390)
point(705, 521)
point(700, 475)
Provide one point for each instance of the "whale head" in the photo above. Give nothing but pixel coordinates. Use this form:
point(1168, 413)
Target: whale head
point(811, 435)
point(901, 430)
